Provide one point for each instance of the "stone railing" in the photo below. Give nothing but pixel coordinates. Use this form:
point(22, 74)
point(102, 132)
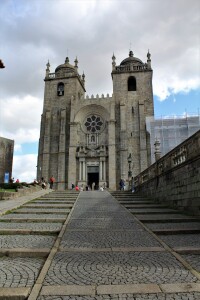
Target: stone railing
point(175, 177)
point(99, 98)
point(131, 68)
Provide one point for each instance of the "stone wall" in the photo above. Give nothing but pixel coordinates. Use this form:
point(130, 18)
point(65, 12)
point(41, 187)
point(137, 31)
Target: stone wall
point(21, 192)
point(175, 177)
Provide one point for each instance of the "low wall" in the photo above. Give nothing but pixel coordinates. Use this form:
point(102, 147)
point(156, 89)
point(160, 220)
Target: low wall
point(21, 192)
point(175, 177)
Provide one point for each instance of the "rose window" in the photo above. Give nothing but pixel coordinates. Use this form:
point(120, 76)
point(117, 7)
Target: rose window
point(93, 123)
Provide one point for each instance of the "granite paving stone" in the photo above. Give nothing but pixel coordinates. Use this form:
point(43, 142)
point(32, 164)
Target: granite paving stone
point(165, 217)
point(181, 240)
point(160, 296)
point(31, 226)
point(43, 210)
point(100, 214)
point(103, 223)
point(26, 241)
point(193, 260)
point(172, 225)
point(32, 216)
point(19, 272)
point(104, 268)
point(48, 205)
point(103, 245)
point(153, 210)
point(53, 201)
point(106, 239)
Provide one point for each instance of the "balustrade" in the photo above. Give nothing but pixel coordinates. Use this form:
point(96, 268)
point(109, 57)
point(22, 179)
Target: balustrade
point(174, 158)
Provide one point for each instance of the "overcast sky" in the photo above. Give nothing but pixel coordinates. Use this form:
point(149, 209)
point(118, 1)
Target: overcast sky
point(33, 32)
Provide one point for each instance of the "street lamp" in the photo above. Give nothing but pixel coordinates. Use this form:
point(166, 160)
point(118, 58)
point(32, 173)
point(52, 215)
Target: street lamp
point(129, 170)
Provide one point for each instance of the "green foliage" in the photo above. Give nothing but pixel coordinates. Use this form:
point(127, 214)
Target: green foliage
point(15, 185)
point(6, 186)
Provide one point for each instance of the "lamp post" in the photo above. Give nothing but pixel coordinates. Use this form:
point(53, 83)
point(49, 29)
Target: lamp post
point(129, 170)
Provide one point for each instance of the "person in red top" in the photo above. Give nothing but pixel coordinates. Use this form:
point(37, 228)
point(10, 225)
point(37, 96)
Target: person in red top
point(77, 188)
point(51, 180)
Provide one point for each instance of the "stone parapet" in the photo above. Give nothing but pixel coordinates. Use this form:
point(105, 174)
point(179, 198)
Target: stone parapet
point(21, 192)
point(175, 178)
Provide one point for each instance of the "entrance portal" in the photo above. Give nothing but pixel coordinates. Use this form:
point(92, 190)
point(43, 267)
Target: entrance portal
point(93, 177)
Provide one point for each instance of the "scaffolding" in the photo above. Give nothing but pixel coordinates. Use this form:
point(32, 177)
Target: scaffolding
point(170, 131)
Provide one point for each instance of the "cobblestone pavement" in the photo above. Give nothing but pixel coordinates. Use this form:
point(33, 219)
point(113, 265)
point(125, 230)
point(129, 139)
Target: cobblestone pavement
point(43, 210)
point(160, 296)
point(162, 217)
point(19, 216)
point(103, 251)
point(116, 268)
point(47, 205)
point(180, 225)
point(151, 210)
point(24, 241)
point(105, 239)
point(19, 272)
point(182, 240)
point(103, 223)
point(194, 261)
point(31, 226)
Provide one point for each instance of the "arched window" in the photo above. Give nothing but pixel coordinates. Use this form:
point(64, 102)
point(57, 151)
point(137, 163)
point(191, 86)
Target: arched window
point(131, 83)
point(60, 89)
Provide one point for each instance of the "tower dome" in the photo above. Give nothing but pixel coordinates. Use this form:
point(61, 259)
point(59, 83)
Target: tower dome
point(131, 60)
point(66, 66)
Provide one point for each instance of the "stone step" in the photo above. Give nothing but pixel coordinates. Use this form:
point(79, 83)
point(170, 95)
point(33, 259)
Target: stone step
point(64, 202)
point(165, 218)
point(33, 226)
point(28, 231)
point(176, 231)
point(29, 218)
point(41, 211)
point(154, 211)
point(47, 205)
point(139, 205)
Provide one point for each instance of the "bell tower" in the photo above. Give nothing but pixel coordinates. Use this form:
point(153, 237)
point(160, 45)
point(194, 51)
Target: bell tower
point(61, 89)
point(133, 96)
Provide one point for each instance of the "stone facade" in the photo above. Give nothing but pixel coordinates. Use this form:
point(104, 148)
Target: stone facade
point(87, 141)
point(6, 157)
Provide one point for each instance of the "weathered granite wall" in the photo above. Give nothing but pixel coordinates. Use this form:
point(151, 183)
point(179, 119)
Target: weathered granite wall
point(21, 192)
point(175, 177)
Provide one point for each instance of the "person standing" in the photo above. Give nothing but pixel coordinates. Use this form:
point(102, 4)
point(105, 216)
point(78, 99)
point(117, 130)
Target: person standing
point(51, 180)
point(121, 185)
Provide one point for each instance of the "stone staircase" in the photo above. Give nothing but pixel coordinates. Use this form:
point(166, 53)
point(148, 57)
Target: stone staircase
point(179, 230)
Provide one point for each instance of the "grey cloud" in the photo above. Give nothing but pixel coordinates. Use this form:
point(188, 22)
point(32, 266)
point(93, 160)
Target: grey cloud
point(36, 31)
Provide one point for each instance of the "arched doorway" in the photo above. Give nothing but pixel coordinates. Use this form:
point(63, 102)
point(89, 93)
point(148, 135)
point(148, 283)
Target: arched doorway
point(93, 177)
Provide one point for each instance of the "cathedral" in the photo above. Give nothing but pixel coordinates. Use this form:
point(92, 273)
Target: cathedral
point(95, 141)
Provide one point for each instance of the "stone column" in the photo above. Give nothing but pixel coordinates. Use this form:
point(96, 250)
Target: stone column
point(104, 170)
point(84, 175)
point(72, 176)
point(80, 170)
point(46, 148)
point(112, 155)
point(100, 171)
point(61, 154)
point(143, 142)
point(123, 146)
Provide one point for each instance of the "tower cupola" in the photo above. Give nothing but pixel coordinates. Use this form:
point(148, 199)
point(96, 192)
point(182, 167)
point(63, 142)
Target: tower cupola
point(66, 66)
